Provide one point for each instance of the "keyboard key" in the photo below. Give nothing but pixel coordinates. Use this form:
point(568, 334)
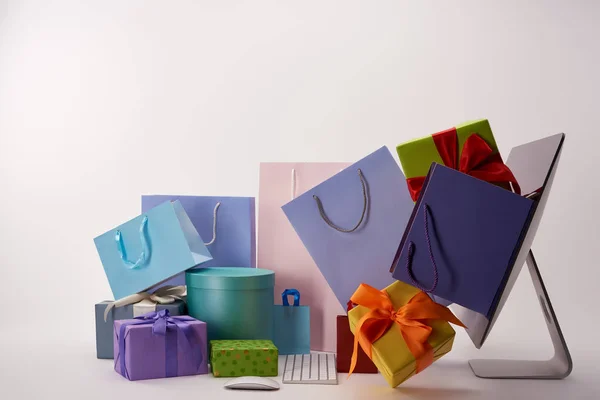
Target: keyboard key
point(305, 367)
point(331, 370)
point(322, 367)
point(314, 368)
point(288, 369)
point(297, 375)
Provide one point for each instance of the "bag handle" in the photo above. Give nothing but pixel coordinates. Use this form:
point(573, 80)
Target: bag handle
point(293, 188)
point(288, 292)
point(362, 216)
point(411, 246)
point(145, 254)
point(293, 185)
point(214, 229)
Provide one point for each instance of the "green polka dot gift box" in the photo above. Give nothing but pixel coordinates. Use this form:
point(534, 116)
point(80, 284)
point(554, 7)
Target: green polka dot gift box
point(243, 358)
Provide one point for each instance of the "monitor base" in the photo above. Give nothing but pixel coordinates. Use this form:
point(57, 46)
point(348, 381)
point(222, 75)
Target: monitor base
point(558, 367)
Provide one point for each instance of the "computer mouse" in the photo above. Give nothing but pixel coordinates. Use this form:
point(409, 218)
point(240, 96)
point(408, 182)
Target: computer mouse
point(252, 383)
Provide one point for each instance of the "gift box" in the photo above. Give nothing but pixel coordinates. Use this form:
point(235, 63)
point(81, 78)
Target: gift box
point(345, 346)
point(469, 148)
point(291, 325)
point(243, 358)
point(401, 329)
point(236, 303)
point(107, 312)
point(157, 345)
point(150, 249)
point(462, 239)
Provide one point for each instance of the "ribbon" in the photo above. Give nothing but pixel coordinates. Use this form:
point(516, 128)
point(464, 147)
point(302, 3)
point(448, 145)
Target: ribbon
point(349, 305)
point(410, 319)
point(169, 327)
point(288, 292)
point(144, 255)
point(165, 295)
point(411, 249)
point(477, 159)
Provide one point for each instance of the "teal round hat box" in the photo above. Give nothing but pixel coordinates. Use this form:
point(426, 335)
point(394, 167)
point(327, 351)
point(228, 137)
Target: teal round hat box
point(235, 302)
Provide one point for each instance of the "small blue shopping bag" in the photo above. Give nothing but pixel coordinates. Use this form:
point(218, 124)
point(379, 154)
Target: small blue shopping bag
point(291, 325)
point(150, 249)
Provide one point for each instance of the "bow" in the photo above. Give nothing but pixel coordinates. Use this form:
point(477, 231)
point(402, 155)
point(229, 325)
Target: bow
point(410, 318)
point(169, 327)
point(476, 159)
point(165, 295)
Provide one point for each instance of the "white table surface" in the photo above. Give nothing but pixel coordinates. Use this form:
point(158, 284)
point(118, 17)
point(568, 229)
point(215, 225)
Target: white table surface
point(48, 363)
point(101, 101)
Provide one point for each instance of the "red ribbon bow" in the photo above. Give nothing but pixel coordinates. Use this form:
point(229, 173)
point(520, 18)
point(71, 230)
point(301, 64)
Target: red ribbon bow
point(477, 159)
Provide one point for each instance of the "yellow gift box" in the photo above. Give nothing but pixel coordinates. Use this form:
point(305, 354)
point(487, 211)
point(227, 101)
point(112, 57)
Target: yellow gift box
point(390, 353)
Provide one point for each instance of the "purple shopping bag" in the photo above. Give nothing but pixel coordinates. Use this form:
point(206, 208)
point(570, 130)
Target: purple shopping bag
point(351, 224)
point(462, 239)
point(226, 224)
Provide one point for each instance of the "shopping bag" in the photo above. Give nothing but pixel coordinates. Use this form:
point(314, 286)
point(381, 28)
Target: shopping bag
point(351, 224)
point(150, 249)
point(280, 249)
point(345, 348)
point(291, 325)
point(227, 225)
point(469, 147)
point(462, 238)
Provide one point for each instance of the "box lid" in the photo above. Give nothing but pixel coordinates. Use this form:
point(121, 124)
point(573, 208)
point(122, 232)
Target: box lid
point(230, 278)
point(218, 345)
point(417, 155)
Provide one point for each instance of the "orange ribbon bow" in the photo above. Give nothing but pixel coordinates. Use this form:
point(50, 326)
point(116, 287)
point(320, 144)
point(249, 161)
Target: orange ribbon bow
point(410, 319)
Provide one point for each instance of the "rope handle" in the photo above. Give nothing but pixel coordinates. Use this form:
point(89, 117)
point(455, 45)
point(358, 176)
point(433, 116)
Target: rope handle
point(411, 248)
point(362, 215)
point(144, 255)
point(293, 188)
point(214, 229)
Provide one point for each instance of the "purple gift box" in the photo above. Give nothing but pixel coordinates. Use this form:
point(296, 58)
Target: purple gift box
point(156, 345)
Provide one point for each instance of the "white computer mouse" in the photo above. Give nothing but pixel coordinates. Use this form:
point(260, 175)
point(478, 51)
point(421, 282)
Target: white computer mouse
point(252, 383)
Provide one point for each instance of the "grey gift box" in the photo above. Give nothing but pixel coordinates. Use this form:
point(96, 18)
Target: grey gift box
point(104, 330)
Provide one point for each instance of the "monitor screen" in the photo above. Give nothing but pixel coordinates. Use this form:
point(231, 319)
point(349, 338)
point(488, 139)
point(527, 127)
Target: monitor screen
point(534, 165)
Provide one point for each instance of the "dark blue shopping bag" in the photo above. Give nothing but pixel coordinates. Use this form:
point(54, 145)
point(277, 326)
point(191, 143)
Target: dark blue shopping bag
point(462, 239)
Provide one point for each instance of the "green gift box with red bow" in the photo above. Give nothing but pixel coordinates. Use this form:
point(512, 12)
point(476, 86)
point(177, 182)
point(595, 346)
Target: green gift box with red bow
point(469, 148)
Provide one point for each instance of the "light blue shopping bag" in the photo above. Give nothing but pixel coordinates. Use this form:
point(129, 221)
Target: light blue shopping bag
point(150, 249)
point(291, 325)
point(227, 225)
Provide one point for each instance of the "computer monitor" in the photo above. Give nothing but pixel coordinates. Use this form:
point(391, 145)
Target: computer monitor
point(534, 165)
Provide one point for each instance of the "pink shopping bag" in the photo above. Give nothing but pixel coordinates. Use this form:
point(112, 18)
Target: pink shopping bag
point(281, 250)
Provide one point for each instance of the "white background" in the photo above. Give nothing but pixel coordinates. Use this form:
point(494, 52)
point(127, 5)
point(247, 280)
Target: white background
point(101, 101)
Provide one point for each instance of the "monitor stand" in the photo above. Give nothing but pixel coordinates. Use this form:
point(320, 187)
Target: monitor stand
point(558, 367)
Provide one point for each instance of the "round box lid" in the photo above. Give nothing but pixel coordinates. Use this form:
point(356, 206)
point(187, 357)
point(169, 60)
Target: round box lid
point(230, 278)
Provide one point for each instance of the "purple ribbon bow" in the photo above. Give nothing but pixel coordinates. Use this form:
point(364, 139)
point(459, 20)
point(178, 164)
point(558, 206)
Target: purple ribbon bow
point(169, 327)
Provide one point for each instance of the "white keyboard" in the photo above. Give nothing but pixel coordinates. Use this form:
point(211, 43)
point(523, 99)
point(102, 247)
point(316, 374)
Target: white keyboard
point(314, 368)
